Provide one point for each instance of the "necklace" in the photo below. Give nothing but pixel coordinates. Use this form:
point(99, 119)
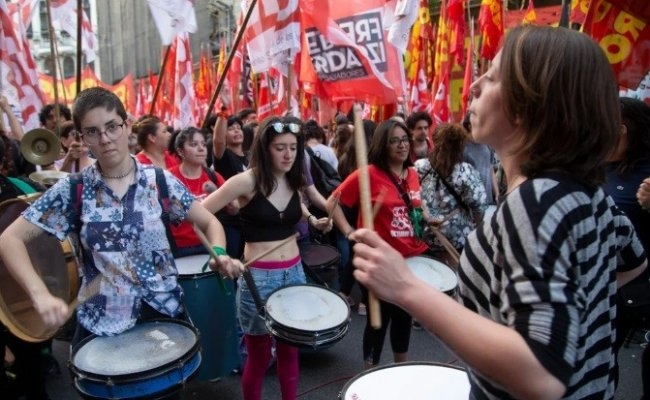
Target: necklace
point(124, 175)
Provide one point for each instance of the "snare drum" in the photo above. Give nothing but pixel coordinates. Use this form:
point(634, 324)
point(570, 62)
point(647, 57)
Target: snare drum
point(56, 263)
point(412, 381)
point(307, 316)
point(152, 359)
point(434, 272)
point(213, 312)
point(321, 264)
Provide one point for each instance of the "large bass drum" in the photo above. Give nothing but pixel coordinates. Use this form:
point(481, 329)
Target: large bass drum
point(55, 261)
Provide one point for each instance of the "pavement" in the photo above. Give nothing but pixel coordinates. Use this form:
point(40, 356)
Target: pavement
point(324, 373)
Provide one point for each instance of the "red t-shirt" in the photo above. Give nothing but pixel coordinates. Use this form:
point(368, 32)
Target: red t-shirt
point(392, 221)
point(200, 187)
point(170, 159)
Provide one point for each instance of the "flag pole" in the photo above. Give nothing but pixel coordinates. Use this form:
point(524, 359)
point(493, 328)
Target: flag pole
point(231, 55)
point(50, 29)
point(79, 21)
point(161, 75)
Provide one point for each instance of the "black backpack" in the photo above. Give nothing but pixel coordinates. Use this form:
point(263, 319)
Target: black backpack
point(325, 177)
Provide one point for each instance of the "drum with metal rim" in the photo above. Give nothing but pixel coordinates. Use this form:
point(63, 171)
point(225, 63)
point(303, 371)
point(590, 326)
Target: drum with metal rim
point(55, 261)
point(434, 272)
point(151, 360)
point(412, 381)
point(307, 316)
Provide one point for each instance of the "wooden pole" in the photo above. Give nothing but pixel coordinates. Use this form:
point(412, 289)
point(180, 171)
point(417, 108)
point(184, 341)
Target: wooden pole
point(231, 55)
point(364, 196)
point(79, 47)
point(161, 75)
point(50, 29)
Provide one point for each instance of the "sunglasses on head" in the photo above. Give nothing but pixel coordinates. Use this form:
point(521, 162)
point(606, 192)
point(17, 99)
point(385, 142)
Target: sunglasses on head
point(280, 127)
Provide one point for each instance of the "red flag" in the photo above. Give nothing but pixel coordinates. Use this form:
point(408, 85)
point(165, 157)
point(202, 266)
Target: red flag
point(468, 78)
point(456, 24)
point(18, 76)
point(440, 110)
point(490, 22)
point(348, 55)
point(531, 16)
point(623, 37)
point(579, 11)
point(141, 99)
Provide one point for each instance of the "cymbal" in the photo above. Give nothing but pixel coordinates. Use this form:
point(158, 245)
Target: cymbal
point(47, 178)
point(40, 146)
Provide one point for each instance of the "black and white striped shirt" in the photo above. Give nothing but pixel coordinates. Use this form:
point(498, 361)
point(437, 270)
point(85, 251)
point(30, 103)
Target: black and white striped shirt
point(544, 264)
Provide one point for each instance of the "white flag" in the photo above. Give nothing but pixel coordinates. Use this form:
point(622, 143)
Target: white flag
point(173, 17)
point(64, 17)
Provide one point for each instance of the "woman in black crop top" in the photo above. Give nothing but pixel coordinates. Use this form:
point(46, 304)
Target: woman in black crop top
point(269, 196)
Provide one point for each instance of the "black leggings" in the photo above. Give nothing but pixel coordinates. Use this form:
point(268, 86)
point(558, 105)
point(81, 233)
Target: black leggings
point(400, 331)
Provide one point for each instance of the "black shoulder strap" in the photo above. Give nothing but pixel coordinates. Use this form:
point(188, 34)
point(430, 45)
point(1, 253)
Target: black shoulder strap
point(212, 175)
point(451, 189)
point(163, 199)
point(76, 190)
point(402, 192)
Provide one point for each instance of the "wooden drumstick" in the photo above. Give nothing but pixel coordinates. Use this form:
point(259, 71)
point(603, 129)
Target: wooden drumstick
point(364, 199)
point(447, 245)
point(337, 197)
point(269, 251)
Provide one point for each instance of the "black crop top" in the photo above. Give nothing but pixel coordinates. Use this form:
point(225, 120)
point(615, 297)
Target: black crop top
point(262, 222)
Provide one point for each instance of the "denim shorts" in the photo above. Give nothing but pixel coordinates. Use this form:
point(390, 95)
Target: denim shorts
point(266, 280)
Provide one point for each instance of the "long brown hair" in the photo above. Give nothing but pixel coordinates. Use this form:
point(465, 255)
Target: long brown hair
point(448, 143)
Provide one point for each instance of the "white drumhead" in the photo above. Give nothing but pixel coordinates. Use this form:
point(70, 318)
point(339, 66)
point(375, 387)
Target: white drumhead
point(191, 265)
point(410, 381)
point(144, 347)
point(433, 272)
point(308, 308)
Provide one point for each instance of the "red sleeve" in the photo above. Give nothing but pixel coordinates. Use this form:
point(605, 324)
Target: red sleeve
point(349, 190)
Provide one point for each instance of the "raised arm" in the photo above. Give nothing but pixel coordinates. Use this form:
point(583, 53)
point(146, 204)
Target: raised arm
point(219, 136)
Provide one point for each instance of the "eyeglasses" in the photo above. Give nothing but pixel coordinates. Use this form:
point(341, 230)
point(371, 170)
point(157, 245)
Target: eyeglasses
point(112, 131)
point(396, 141)
point(280, 127)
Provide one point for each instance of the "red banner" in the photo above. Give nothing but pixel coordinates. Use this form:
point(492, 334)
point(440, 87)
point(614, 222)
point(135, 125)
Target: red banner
point(624, 37)
point(67, 89)
point(346, 53)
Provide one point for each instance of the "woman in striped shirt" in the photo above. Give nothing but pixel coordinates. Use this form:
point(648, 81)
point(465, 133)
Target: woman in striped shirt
point(538, 279)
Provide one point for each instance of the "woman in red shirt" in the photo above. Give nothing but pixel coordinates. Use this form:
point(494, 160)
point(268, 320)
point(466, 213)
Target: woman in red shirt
point(192, 150)
point(395, 188)
point(153, 139)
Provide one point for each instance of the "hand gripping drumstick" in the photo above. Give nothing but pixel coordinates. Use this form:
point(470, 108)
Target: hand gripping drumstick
point(364, 196)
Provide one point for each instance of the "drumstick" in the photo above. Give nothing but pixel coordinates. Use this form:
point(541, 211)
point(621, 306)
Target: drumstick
point(337, 197)
point(269, 251)
point(364, 193)
point(447, 245)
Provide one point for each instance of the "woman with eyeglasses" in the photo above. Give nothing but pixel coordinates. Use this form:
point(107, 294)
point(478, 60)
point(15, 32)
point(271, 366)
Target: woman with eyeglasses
point(395, 194)
point(153, 139)
point(269, 196)
point(116, 208)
